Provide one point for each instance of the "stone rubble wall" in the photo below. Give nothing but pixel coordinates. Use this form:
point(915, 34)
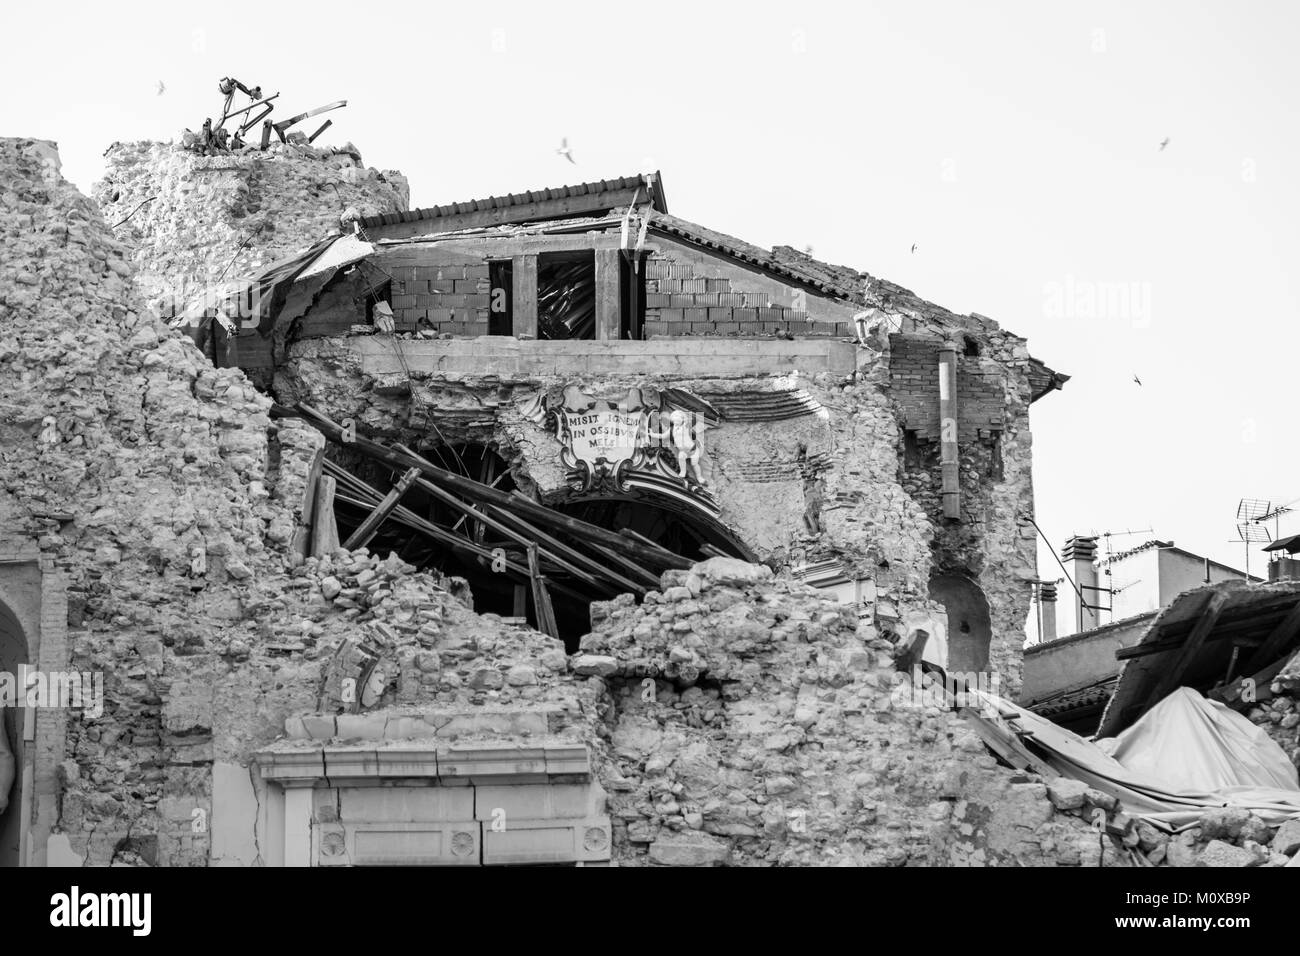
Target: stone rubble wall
point(797, 490)
point(159, 490)
point(748, 720)
point(212, 219)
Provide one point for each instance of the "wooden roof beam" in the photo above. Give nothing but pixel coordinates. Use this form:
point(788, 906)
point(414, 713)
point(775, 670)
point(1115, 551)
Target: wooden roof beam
point(1173, 675)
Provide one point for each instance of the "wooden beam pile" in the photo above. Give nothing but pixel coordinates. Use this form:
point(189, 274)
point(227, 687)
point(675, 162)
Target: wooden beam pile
point(547, 549)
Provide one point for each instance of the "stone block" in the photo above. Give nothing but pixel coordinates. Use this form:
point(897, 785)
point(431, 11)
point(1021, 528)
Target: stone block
point(484, 761)
point(695, 849)
point(1066, 793)
point(595, 665)
point(1221, 853)
point(1287, 838)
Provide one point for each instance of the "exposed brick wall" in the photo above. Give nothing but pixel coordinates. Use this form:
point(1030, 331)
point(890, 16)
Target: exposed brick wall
point(439, 290)
point(684, 298)
point(914, 381)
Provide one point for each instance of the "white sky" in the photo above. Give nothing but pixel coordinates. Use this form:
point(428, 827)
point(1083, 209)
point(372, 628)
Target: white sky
point(1017, 144)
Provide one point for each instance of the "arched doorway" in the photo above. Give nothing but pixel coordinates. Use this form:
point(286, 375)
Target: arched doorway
point(969, 627)
point(13, 654)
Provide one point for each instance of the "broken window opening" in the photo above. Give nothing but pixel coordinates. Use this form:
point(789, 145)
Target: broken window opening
point(631, 300)
point(566, 296)
point(501, 296)
point(996, 469)
point(972, 348)
point(914, 452)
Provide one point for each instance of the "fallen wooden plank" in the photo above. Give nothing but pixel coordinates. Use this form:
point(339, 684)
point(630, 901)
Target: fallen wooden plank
point(541, 599)
point(1006, 744)
point(324, 529)
point(452, 501)
point(1172, 675)
point(367, 529)
point(559, 547)
point(554, 550)
point(441, 535)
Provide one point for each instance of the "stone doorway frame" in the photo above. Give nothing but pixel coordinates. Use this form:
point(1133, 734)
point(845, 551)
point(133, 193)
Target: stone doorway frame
point(552, 807)
point(44, 731)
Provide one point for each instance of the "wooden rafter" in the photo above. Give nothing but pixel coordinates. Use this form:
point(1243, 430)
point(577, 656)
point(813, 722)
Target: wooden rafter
point(1172, 676)
point(1278, 640)
point(366, 530)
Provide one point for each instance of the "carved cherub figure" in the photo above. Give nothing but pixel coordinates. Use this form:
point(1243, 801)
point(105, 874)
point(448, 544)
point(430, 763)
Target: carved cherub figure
point(681, 433)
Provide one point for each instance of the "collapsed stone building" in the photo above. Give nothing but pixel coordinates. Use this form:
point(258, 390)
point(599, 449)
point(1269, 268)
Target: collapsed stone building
point(177, 482)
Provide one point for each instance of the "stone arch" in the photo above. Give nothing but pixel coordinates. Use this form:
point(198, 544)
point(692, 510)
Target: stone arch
point(970, 628)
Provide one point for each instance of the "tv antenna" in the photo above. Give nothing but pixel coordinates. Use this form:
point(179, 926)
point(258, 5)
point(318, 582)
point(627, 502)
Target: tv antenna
point(1120, 534)
point(1251, 515)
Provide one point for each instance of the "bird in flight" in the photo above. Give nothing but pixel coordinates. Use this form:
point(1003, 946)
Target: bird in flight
point(1136, 379)
point(1163, 143)
point(914, 248)
point(161, 88)
point(565, 151)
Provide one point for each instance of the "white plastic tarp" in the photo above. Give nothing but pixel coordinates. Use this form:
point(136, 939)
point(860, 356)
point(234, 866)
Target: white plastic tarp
point(343, 251)
point(1184, 756)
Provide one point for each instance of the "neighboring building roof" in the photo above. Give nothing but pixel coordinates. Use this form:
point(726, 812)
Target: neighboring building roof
point(1068, 702)
point(1290, 544)
point(1090, 634)
point(1169, 546)
point(582, 198)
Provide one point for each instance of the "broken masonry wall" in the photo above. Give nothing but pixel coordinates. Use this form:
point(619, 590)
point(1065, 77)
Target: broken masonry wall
point(746, 720)
point(828, 477)
point(859, 480)
point(148, 482)
point(821, 479)
point(139, 469)
point(192, 221)
point(993, 544)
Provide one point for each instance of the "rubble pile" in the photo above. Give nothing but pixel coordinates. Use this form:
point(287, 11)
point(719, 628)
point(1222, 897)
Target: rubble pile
point(747, 719)
point(1280, 714)
point(439, 648)
point(1229, 836)
point(192, 222)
